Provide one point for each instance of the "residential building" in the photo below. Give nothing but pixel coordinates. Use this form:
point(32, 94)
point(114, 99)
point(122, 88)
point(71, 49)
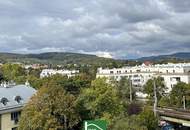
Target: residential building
point(139, 75)
point(35, 66)
point(12, 100)
point(50, 72)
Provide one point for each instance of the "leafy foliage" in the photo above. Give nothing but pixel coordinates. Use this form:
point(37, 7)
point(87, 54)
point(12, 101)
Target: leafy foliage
point(101, 100)
point(160, 87)
point(148, 119)
point(51, 109)
point(129, 123)
point(134, 108)
point(13, 72)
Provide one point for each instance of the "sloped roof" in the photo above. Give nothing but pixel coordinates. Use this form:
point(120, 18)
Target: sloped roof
point(25, 92)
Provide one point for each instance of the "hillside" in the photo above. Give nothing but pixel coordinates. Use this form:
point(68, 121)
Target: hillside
point(182, 56)
point(59, 58)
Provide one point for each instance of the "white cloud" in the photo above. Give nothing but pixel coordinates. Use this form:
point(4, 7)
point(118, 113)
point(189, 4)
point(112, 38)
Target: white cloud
point(104, 54)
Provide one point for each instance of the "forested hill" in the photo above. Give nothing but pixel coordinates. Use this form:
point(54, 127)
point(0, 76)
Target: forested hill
point(60, 58)
point(176, 57)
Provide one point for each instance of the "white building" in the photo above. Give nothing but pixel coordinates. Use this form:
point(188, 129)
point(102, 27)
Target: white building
point(12, 100)
point(50, 72)
point(139, 75)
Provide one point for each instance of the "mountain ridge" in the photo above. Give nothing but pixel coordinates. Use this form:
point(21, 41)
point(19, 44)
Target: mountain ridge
point(177, 56)
point(58, 58)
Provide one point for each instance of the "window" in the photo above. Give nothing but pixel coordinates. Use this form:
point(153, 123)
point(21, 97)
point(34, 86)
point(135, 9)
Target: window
point(4, 101)
point(18, 99)
point(178, 79)
point(111, 72)
point(15, 128)
point(15, 116)
point(137, 80)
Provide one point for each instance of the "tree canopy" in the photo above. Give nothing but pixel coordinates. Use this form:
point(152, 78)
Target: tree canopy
point(50, 109)
point(160, 87)
point(13, 72)
point(101, 100)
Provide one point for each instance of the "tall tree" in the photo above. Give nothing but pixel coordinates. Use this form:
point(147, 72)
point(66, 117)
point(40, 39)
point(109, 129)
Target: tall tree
point(160, 87)
point(101, 100)
point(148, 119)
point(125, 89)
point(50, 109)
point(178, 92)
point(14, 72)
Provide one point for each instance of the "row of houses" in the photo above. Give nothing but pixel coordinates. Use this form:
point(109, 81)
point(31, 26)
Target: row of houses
point(139, 75)
point(50, 72)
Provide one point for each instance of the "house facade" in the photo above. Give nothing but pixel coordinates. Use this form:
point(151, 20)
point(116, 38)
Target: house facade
point(12, 100)
point(139, 75)
point(50, 72)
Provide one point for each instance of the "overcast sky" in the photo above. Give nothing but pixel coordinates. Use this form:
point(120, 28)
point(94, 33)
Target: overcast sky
point(118, 28)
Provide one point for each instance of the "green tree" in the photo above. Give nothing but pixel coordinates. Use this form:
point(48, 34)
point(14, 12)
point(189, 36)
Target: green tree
point(123, 89)
point(177, 93)
point(73, 85)
point(35, 81)
point(160, 87)
point(165, 101)
point(148, 119)
point(129, 123)
point(34, 72)
point(101, 100)
point(14, 72)
point(50, 109)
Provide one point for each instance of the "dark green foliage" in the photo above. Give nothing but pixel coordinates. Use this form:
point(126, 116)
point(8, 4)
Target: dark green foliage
point(160, 87)
point(1, 76)
point(129, 123)
point(123, 88)
point(177, 93)
point(72, 85)
point(134, 109)
point(175, 97)
point(148, 119)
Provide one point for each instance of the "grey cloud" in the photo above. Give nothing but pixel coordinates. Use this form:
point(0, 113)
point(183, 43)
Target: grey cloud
point(123, 28)
point(178, 5)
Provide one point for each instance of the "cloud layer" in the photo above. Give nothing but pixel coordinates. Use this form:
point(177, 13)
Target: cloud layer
point(118, 28)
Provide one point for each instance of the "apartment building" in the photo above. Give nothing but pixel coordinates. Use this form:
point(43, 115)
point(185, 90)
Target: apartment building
point(12, 100)
point(139, 75)
point(50, 72)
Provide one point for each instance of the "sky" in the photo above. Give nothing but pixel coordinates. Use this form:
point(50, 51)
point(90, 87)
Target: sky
point(108, 28)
